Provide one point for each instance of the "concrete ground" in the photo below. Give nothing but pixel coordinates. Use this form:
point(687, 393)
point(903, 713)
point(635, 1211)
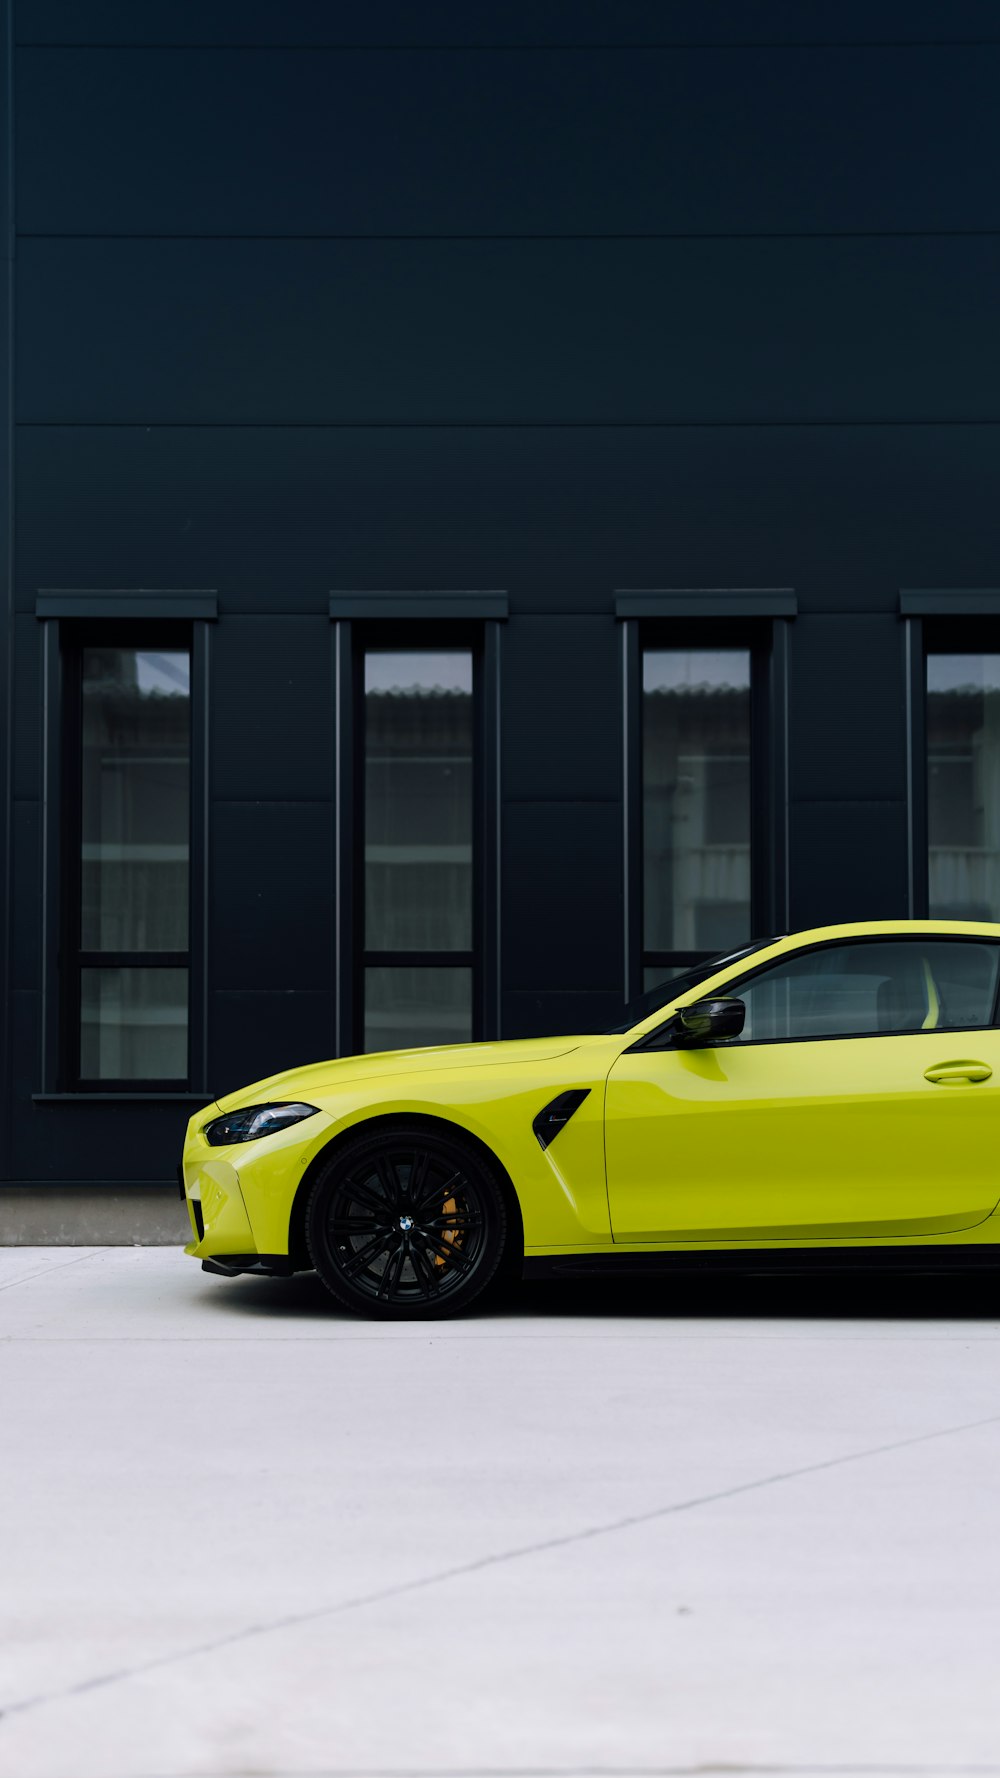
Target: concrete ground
point(743, 1526)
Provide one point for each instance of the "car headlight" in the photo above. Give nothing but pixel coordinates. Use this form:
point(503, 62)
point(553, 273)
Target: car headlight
point(256, 1120)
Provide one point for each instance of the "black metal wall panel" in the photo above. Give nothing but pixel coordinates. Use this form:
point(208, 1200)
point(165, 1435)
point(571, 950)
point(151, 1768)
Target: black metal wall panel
point(31, 1153)
point(561, 705)
point(847, 708)
point(6, 553)
point(26, 694)
point(554, 140)
point(271, 709)
point(847, 862)
point(26, 874)
point(254, 1033)
point(271, 894)
point(318, 331)
point(275, 517)
point(84, 1141)
point(542, 1014)
point(501, 22)
point(561, 896)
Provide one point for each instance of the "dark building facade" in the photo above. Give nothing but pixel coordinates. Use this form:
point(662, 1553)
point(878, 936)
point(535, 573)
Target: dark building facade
point(501, 500)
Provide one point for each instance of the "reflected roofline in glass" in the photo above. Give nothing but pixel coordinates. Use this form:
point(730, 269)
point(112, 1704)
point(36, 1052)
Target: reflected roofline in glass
point(669, 989)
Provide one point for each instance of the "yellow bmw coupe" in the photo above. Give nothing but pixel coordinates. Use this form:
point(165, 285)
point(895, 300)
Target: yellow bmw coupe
point(830, 1098)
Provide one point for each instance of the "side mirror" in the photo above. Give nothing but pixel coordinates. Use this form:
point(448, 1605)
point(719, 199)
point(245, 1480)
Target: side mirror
point(709, 1021)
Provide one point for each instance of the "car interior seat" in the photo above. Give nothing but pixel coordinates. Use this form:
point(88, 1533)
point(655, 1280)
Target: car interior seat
point(906, 1000)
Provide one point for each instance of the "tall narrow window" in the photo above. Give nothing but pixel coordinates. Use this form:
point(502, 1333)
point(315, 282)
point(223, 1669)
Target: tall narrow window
point(419, 826)
point(695, 805)
point(130, 919)
point(963, 786)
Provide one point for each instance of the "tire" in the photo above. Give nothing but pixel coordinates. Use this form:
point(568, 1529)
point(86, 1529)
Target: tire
point(406, 1224)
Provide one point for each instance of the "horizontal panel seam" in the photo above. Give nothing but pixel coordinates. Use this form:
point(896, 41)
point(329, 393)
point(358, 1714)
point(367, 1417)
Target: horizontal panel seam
point(551, 993)
point(831, 234)
point(292, 989)
point(463, 45)
point(621, 425)
point(283, 993)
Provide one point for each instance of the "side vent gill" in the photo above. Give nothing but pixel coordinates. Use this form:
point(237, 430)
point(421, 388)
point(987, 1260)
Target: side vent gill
point(558, 1112)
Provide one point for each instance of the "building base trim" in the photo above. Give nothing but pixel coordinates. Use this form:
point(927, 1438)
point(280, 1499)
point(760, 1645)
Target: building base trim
point(67, 1215)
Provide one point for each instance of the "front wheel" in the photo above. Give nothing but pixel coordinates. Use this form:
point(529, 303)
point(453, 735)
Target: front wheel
point(406, 1224)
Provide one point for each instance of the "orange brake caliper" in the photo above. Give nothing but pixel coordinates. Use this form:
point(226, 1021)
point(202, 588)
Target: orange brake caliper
point(448, 1208)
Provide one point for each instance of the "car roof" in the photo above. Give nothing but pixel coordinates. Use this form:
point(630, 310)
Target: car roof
point(882, 928)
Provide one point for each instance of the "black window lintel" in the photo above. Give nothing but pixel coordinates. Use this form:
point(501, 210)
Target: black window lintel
point(127, 602)
point(949, 602)
point(409, 606)
point(705, 602)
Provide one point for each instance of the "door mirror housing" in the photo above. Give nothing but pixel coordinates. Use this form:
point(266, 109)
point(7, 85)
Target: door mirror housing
point(705, 1022)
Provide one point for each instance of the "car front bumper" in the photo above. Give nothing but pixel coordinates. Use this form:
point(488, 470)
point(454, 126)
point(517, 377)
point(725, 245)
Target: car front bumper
point(239, 1198)
point(219, 1222)
point(260, 1265)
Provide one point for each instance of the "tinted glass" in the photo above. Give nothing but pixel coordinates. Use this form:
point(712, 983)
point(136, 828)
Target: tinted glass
point(405, 1008)
point(135, 801)
point(418, 801)
point(663, 985)
point(963, 785)
point(856, 990)
point(133, 1024)
point(696, 799)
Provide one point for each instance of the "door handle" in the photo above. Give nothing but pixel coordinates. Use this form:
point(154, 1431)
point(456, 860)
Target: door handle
point(952, 1074)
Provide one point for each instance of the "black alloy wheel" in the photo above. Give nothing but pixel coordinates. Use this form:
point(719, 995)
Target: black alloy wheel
point(406, 1224)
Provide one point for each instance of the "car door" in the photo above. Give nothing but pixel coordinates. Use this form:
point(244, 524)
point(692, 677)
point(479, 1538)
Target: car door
point(861, 1100)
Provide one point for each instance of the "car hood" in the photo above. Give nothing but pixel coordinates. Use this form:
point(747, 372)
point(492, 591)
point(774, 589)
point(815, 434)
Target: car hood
point(320, 1077)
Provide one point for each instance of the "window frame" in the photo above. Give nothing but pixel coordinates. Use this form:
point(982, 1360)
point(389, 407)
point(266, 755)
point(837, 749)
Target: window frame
point(731, 989)
point(765, 639)
point(926, 636)
point(420, 635)
point(62, 1038)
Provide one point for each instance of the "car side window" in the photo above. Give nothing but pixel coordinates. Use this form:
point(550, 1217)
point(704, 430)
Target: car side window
point(872, 987)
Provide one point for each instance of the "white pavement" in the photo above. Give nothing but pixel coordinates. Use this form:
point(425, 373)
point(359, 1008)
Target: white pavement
point(751, 1526)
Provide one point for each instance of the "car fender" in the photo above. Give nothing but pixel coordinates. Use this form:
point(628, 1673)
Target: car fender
point(561, 1189)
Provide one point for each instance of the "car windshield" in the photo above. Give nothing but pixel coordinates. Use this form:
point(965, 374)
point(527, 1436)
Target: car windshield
point(674, 985)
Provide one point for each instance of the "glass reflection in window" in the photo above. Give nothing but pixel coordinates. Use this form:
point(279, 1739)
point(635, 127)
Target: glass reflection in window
point(133, 1024)
point(872, 988)
point(963, 786)
point(135, 819)
point(418, 801)
point(408, 1007)
point(136, 800)
point(696, 799)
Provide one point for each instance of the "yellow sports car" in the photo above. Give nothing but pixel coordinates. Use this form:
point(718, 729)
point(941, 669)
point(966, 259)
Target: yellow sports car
point(828, 1098)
